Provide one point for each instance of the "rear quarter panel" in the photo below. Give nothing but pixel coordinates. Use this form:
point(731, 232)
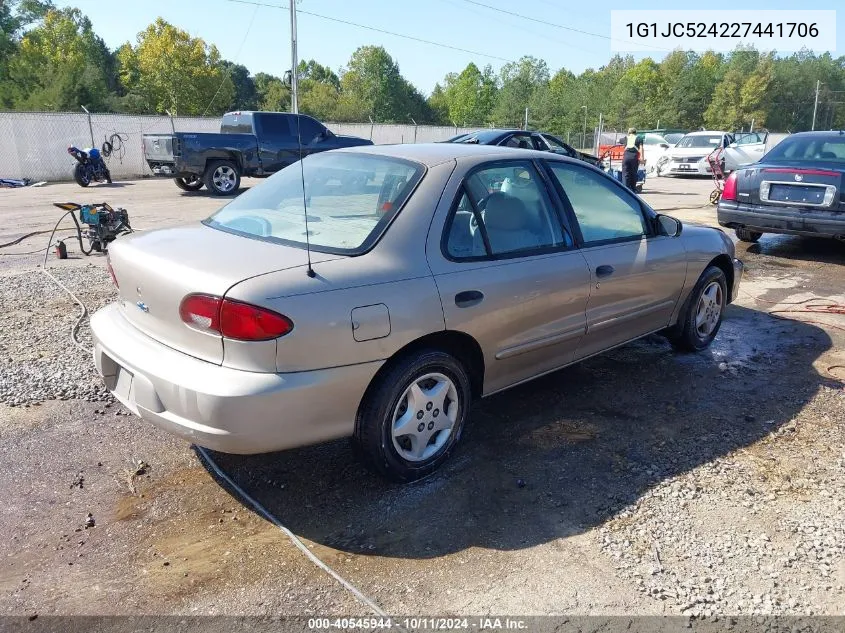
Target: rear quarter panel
point(394, 277)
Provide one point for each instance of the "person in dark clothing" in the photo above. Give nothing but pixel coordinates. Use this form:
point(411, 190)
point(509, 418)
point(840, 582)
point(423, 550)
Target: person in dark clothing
point(631, 159)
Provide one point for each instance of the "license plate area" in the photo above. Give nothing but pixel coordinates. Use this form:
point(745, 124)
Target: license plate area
point(118, 379)
point(797, 194)
point(123, 383)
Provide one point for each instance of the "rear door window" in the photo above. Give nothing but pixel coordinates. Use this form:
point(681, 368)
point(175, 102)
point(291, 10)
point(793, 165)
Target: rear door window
point(276, 126)
point(504, 210)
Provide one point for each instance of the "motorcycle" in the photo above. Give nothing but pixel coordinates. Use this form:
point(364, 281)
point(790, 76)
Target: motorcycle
point(90, 166)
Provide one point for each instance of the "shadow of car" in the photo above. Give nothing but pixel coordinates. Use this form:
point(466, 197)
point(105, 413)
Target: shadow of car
point(557, 456)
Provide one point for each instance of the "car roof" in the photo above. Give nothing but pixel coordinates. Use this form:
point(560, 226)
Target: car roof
point(704, 133)
point(431, 154)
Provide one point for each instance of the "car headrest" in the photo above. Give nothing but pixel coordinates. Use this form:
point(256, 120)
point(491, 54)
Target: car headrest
point(504, 213)
point(827, 155)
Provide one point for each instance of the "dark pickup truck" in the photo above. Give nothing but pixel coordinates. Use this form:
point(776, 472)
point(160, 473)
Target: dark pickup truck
point(249, 144)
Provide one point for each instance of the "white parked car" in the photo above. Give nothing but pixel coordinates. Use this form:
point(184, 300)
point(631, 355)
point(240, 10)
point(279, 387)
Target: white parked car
point(689, 155)
point(746, 148)
point(655, 147)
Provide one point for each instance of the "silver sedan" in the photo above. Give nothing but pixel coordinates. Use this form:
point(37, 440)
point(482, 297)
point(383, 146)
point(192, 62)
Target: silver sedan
point(376, 292)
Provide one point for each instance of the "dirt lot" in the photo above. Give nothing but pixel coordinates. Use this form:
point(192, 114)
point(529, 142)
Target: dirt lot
point(641, 481)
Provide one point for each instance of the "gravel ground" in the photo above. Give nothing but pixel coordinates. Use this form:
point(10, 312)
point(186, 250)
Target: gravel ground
point(638, 482)
point(38, 360)
point(779, 541)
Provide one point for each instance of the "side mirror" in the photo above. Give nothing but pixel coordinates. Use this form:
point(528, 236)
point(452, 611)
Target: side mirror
point(732, 145)
point(669, 226)
point(664, 145)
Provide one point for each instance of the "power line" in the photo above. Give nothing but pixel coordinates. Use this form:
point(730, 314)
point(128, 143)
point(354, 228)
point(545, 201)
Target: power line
point(522, 28)
point(559, 26)
point(228, 76)
point(372, 28)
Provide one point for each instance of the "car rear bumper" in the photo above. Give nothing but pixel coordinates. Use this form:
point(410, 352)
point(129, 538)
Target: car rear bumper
point(224, 409)
point(782, 219)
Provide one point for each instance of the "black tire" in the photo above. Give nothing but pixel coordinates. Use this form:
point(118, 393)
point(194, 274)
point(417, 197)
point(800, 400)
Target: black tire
point(744, 235)
point(231, 171)
point(80, 176)
point(685, 335)
point(374, 422)
point(192, 184)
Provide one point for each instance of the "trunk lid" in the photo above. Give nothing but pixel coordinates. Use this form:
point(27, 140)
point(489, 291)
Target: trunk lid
point(792, 184)
point(155, 270)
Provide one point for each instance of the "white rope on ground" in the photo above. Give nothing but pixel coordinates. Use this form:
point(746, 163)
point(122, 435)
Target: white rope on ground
point(78, 301)
point(293, 537)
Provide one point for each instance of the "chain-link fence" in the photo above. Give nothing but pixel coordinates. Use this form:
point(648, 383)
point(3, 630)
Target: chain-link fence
point(34, 144)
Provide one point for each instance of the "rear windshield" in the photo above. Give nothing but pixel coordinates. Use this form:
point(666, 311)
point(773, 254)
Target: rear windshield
point(824, 148)
point(350, 199)
point(236, 124)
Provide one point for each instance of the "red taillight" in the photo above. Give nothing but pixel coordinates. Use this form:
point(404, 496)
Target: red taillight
point(729, 191)
point(201, 312)
point(233, 319)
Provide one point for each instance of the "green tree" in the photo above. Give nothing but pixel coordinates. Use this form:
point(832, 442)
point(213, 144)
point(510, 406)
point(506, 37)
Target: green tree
point(372, 86)
point(271, 93)
point(61, 64)
point(170, 70)
point(438, 104)
point(519, 82)
point(740, 97)
point(245, 96)
point(313, 71)
point(15, 15)
point(471, 95)
point(554, 108)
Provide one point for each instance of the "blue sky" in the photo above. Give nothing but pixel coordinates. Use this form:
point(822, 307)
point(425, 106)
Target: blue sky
point(258, 37)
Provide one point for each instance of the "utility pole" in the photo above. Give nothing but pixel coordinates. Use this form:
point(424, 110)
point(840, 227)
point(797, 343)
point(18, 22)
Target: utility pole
point(294, 61)
point(584, 134)
point(816, 106)
point(526, 119)
point(597, 142)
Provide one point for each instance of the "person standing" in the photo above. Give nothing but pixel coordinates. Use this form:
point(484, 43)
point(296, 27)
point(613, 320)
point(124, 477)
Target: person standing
point(631, 159)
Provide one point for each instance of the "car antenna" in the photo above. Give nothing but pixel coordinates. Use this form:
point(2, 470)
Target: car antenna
point(310, 272)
